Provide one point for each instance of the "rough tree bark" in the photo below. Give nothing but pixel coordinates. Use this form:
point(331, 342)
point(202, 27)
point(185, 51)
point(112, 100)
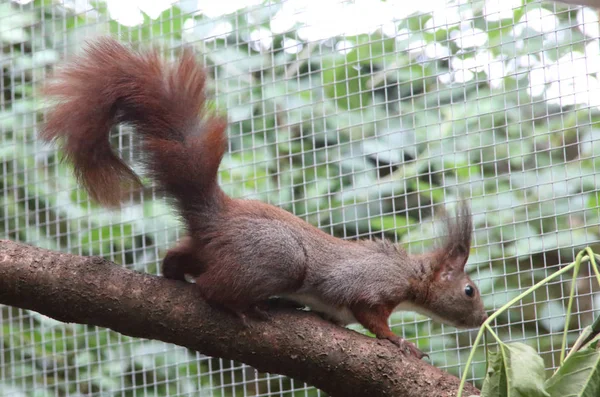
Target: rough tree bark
point(91, 290)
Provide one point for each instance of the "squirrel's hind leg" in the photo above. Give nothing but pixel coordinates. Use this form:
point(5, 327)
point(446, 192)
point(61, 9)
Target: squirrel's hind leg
point(240, 303)
point(181, 260)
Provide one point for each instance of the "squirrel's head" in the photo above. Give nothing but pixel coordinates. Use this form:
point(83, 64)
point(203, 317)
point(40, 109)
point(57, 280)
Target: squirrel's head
point(452, 297)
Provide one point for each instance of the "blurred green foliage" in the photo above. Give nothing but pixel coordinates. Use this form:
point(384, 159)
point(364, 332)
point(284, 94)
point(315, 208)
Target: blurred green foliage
point(363, 136)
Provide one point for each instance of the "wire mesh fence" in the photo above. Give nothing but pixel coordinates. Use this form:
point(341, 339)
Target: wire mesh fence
point(364, 118)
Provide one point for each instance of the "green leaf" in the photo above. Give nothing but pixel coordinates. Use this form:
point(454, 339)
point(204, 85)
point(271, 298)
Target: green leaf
point(578, 376)
point(525, 369)
point(516, 370)
point(586, 337)
point(169, 23)
point(494, 384)
point(389, 222)
point(347, 86)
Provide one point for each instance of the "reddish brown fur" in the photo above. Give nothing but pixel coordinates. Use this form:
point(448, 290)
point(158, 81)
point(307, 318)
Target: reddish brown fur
point(458, 243)
point(111, 84)
point(240, 252)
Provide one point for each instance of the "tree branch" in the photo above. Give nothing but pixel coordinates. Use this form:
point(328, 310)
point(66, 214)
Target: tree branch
point(91, 290)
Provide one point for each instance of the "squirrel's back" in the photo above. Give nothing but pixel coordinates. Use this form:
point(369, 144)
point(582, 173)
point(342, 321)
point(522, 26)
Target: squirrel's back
point(164, 103)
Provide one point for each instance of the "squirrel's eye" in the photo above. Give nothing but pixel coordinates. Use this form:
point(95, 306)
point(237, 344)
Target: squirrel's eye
point(469, 290)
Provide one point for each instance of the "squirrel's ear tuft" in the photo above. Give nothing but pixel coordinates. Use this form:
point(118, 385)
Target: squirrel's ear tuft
point(454, 253)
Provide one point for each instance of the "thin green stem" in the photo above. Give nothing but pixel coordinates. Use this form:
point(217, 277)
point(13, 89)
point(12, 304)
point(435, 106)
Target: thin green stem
point(592, 258)
point(463, 379)
point(491, 331)
point(563, 347)
point(579, 342)
point(487, 352)
point(580, 258)
point(593, 262)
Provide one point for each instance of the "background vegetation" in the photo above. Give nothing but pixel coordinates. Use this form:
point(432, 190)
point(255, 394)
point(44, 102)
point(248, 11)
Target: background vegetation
point(364, 134)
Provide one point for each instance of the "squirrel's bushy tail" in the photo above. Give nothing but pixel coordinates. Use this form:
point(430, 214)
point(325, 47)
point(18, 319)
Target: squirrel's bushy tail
point(165, 104)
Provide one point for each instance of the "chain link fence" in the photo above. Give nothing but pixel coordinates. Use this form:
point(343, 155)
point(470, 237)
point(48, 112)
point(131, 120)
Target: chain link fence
point(362, 117)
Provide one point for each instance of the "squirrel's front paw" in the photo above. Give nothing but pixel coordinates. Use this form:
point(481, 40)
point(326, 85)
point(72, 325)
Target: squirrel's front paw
point(408, 348)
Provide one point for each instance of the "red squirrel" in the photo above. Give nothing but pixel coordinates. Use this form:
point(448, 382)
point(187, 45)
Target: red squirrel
point(240, 252)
